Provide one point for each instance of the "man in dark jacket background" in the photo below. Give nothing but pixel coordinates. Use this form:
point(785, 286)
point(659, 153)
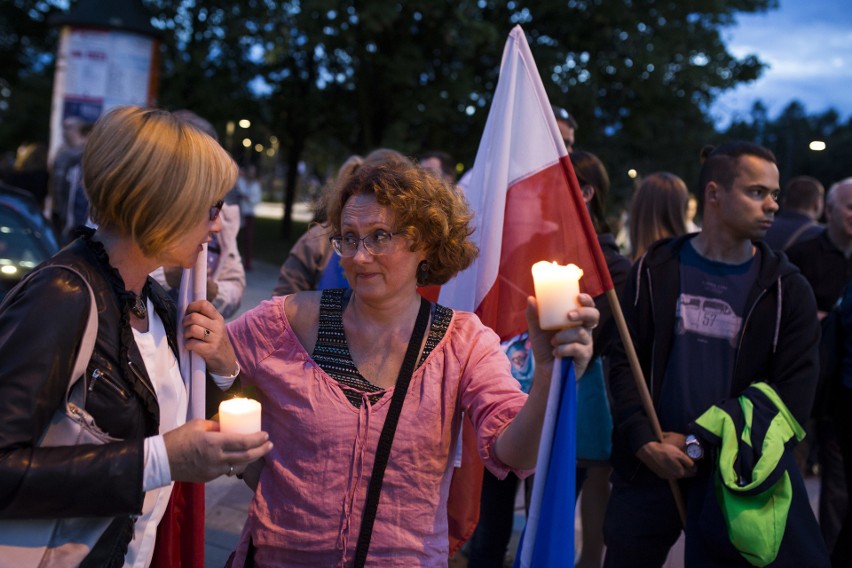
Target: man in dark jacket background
point(826, 262)
point(802, 203)
point(709, 314)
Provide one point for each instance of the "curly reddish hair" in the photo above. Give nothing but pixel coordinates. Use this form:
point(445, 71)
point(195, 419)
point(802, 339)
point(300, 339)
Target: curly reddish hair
point(431, 212)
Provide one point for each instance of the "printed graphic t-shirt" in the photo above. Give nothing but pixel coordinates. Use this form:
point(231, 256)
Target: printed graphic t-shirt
point(708, 320)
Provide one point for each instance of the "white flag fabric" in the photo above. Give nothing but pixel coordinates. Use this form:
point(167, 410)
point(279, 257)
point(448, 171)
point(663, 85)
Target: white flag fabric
point(526, 201)
point(193, 286)
point(520, 105)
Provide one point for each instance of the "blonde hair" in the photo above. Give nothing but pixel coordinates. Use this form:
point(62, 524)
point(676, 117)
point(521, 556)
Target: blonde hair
point(658, 211)
point(149, 174)
point(432, 212)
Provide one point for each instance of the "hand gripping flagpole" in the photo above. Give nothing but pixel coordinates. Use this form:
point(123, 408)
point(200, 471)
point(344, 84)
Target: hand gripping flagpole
point(642, 387)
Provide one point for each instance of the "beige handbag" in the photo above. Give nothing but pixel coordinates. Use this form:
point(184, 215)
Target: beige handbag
point(66, 541)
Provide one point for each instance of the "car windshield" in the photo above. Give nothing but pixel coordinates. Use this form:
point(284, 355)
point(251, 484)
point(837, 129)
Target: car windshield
point(21, 247)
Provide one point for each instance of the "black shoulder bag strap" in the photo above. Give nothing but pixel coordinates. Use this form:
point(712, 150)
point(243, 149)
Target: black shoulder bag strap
point(388, 430)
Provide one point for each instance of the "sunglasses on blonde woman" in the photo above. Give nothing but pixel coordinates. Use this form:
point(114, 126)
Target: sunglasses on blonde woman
point(216, 209)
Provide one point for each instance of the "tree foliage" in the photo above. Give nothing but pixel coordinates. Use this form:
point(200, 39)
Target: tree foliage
point(418, 75)
point(27, 44)
point(789, 137)
point(322, 79)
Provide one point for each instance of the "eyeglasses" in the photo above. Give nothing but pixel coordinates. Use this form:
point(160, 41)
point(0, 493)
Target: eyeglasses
point(376, 243)
point(216, 209)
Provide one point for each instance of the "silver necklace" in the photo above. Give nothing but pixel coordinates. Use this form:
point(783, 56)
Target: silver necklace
point(139, 307)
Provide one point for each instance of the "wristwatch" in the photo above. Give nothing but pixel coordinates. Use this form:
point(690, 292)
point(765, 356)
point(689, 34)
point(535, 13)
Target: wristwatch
point(693, 448)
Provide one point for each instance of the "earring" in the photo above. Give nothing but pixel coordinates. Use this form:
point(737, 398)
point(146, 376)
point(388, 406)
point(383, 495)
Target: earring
point(423, 272)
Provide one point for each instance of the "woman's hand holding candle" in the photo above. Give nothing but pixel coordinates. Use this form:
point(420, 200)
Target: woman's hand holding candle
point(558, 305)
point(199, 452)
point(574, 341)
point(239, 415)
point(556, 290)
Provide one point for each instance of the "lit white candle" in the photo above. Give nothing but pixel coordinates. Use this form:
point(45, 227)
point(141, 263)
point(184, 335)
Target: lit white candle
point(556, 291)
point(239, 415)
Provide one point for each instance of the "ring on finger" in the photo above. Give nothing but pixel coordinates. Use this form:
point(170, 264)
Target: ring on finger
point(206, 333)
point(231, 470)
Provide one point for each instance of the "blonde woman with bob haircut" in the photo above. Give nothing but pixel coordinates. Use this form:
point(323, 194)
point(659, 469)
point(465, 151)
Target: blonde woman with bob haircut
point(333, 367)
point(155, 184)
point(658, 211)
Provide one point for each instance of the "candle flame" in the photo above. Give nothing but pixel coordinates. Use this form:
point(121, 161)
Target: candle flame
point(553, 268)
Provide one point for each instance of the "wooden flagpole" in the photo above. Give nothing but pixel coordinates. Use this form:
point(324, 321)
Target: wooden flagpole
point(642, 387)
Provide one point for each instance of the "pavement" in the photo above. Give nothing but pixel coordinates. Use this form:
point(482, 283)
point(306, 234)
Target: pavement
point(227, 498)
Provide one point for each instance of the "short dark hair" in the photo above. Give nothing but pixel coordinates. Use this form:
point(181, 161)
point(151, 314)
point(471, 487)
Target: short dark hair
point(802, 192)
point(719, 164)
point(448, 167)
point(591, 171)
point(565, 116)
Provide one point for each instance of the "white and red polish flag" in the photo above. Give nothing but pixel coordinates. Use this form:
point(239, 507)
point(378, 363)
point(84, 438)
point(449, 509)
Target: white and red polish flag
point(526, 200)
point(528, 207)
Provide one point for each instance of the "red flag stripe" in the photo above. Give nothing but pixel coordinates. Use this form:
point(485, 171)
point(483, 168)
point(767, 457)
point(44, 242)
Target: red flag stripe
point(545, 219)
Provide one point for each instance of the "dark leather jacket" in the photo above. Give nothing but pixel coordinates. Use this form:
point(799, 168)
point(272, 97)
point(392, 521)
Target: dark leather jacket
point(40, 333)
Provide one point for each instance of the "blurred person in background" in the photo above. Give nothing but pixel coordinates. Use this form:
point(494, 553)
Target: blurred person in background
point(567, 126)
point(658, 211)
point(305, 267)
point(441, 163)
point(74, 133)
point(841, 411)
point(691, 214)
point(802, 203)
point(30, 171)
point(250, 194)
point(826, 262)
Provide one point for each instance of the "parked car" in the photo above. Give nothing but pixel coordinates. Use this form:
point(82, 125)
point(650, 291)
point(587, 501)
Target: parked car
point(26, 238)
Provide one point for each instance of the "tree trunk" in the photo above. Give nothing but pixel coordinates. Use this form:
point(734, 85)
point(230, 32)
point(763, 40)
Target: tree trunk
point(294, 154)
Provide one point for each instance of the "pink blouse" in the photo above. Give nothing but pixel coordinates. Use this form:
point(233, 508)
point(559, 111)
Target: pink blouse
point(307, 509)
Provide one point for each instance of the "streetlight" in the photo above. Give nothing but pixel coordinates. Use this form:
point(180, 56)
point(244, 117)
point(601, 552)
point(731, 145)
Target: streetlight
point(245, 123)
point(246, 143)
point(817, 145)
point(631, 173)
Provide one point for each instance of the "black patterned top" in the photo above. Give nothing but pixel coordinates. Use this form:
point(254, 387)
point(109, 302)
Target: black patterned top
point(332, 354)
